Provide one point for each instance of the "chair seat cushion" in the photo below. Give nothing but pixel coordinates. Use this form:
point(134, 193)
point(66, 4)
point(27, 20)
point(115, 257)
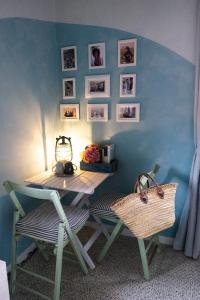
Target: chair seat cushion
point(102, 206)
point(43, 222)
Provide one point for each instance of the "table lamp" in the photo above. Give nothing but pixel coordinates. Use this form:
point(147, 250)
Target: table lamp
point(63, 149)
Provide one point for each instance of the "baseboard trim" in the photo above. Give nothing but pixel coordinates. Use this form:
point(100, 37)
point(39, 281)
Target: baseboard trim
point(126, 232)
point(23, 256)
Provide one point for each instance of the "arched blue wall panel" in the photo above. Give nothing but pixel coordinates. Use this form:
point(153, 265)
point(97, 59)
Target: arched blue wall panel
point(165, 91)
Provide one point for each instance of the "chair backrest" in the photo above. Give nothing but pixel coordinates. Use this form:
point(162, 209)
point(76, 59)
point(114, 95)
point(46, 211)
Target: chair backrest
point(145, 181)
point(13, 189)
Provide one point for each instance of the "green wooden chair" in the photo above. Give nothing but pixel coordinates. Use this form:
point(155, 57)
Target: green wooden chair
point(49, 223)
point(101, 211)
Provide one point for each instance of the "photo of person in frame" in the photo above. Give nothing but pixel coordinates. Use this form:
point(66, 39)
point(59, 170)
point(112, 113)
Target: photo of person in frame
point(128, 55)
point(96, 55)
point(127, 86)
point(69, 88)
point(69, 58)
point(96, 59)
point(127, 52)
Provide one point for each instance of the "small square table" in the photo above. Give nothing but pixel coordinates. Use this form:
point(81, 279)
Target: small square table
point(81, 182)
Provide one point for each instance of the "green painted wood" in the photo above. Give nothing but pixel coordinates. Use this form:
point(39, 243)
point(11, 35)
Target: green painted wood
point(59, 255)
point(38, 276)
point(33, 291)
point(42, 249)
point(110, 219)
point(115, 233)
point(51, 195)
point(144, 259)
point(13, 253)
point(150, 243)
point(119, 226)
point(77, 251)
point(157, 243)
point(9, 188)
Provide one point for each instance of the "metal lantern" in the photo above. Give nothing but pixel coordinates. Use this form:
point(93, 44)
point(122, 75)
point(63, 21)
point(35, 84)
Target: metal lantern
point(63, 149)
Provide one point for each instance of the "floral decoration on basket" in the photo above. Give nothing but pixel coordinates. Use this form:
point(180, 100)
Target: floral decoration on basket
point(91, 154)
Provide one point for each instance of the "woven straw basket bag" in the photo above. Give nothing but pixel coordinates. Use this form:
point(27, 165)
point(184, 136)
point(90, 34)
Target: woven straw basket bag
point(149, 211)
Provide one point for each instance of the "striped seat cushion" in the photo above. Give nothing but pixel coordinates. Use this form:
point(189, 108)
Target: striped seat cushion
point(102, 206)
point(43, 222)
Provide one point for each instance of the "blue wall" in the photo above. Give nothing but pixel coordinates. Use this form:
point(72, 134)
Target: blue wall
point(28, 107)
point(164, 89)
point(31, 89)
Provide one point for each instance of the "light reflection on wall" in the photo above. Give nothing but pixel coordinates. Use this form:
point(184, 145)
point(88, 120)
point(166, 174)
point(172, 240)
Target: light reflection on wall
point(81, 136)
point(50, 144)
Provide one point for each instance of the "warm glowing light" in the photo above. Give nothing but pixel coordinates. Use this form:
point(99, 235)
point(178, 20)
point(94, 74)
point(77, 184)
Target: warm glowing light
point(50, 145)
point(63, 149)
point(78, 146)
point(81, 136)
point(63, 153)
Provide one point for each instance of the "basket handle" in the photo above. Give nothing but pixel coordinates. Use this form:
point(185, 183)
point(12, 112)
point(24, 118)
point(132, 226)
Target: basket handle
point(143, 194)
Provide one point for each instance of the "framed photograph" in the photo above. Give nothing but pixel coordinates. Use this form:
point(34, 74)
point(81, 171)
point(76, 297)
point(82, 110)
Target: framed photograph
point(127, 52)
point(69, 88)
point(69, 112)
point(127, 85)
point(96, 56)
point(69, 58)
point(97, 112)
point(128, 112)
point(97, 86)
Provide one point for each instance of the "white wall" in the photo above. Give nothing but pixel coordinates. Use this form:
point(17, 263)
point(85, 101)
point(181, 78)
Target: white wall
point(35, 9)
point(169, 22)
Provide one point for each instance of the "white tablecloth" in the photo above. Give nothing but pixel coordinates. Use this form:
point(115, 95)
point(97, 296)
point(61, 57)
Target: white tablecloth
point(4, 293)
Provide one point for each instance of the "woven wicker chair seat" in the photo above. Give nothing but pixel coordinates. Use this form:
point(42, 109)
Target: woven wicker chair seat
point(102, 206)
point(43, 222)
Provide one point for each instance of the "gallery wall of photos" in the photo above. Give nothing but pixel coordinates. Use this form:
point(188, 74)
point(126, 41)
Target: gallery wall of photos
point(98, 85)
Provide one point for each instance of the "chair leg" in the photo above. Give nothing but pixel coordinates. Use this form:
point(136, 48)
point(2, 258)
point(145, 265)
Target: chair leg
point(77, 251)
point(158, 250)
point(13, 265)
point(42, 250)
point(13, 254)
point(117, 230)
point(144, 259)
point(85, 254)
point(102, 226)
point(59, 256)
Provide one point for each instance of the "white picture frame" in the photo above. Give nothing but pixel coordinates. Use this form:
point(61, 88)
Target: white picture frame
point(127, 53)
point(69, 112)
point(97, 86)
point(69, 88)
point(127, 85)
point(69, 58)
point(96, 56)
point(128, 112)
point(97, 112)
